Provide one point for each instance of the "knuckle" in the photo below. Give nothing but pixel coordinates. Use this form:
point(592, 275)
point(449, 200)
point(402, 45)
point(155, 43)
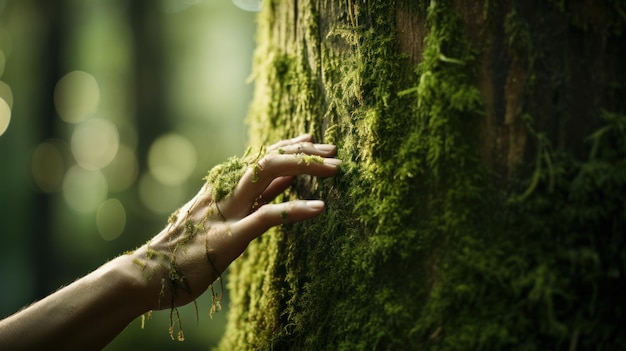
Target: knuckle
point(264, 211)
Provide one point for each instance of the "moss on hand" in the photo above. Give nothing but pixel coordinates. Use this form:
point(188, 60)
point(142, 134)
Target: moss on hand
point(225, 176)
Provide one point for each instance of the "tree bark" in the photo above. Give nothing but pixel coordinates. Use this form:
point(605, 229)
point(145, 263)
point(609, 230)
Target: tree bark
point(481, 201)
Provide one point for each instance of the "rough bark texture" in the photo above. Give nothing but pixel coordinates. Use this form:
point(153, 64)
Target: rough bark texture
point(481, 202)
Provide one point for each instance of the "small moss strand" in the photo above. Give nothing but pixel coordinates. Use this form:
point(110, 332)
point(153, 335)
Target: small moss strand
point(215, 298)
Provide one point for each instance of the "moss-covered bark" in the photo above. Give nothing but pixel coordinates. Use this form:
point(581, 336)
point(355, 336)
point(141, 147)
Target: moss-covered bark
point(481, 201)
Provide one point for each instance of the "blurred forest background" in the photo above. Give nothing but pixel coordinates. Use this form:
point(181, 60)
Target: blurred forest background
point(111, 112)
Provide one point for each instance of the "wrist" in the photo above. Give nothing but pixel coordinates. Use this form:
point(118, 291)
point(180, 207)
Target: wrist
point(131, 281)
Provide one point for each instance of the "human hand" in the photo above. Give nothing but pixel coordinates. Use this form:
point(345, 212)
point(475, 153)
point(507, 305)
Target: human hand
point(232, 208)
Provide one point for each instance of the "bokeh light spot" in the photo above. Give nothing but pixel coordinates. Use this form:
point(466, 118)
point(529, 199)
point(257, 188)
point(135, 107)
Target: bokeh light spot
point(6, 93)
point(248, 5)
point(95, 143)
point(5, 116)
point(171, 159)
point(48, 167)
point(157, 197)
point(121, 173)
point(3, 61)
point(76, 96)
point(84, 190)
point(111, 219)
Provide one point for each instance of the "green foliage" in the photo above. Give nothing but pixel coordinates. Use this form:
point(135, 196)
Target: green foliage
point(419, 248)
point(568, 245)
point(606, 17)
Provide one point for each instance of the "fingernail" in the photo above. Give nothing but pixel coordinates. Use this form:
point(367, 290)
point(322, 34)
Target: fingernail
point(315, 204)
point(325, 147)
point(332, 161)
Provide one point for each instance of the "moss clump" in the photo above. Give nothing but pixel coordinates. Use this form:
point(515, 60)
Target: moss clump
point(308, 159)
point(225, 176)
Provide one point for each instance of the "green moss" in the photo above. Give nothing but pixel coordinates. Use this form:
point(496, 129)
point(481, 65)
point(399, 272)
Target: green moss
point(421, 247)
point(140, 263)
point(225, 176)
point(191, 229)
point(605, 17)
point(519, 40)
point(173, 217)
point(308, 159)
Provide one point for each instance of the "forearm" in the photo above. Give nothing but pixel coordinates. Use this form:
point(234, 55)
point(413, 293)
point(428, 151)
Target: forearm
point(84, 315)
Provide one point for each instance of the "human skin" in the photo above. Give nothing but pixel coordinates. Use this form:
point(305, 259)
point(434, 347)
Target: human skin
point(177, 265)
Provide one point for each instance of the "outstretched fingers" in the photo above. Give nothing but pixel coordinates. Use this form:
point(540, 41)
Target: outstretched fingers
point(271, 175)
point(258, 178)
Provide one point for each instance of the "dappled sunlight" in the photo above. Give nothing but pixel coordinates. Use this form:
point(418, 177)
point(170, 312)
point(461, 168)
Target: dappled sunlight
point(84, 190)
point(6, 94)
point(5, 116)
point(248, 5)
point(172, 159)
point(6, 101)
point(94, 143)
point(76, 96)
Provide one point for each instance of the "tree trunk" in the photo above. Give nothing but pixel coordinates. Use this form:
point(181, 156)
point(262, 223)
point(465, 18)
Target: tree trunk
point(41, 233)
point(152, 108)
point(481, 201)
